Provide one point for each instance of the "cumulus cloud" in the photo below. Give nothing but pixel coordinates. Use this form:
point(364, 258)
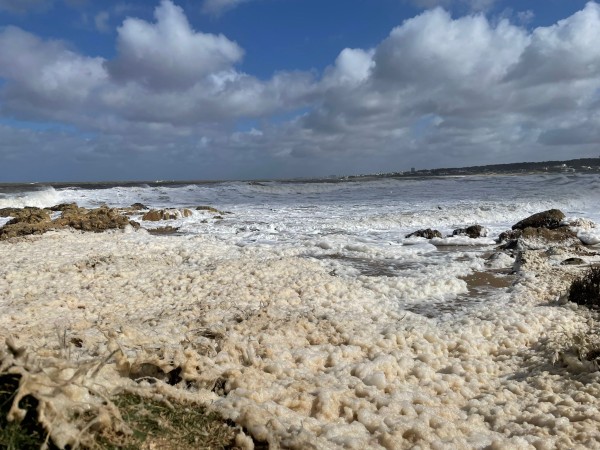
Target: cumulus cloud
point(438, 91)
point(169, 54)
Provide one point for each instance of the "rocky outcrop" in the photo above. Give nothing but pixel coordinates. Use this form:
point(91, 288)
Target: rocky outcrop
point(29, 214)
point(16, 229)
point(154, 215)
point(138, 207)
point(97, 220)
point(425, 233)
point(63, 207)
point(473, 231)
point(25, 221)
point(28, 221)
point(550, 219)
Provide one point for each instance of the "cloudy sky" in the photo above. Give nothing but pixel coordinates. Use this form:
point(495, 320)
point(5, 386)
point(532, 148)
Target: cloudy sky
point(242, 89)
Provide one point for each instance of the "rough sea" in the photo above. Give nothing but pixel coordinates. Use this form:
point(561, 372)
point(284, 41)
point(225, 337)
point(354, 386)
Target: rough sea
point(326, 325)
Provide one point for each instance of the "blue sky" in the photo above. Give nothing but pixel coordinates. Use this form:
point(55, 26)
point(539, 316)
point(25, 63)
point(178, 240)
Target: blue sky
point(230, 89)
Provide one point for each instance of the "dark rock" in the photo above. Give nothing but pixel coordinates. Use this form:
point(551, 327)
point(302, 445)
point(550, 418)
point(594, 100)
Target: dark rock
point(208, 208)
point(560, 235)
point(547, 219)
point(474, 232)
point(572, 262)
point(10, 212)
point(138, 207)
point(509, 235)
point(163, 230)
point(425, 233)
point(585, 290)
point(63, 207)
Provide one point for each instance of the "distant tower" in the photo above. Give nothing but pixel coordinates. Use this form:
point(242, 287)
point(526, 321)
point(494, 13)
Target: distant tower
point(412, 170)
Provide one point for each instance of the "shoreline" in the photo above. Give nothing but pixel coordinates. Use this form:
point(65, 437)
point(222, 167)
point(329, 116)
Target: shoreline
point(301, 356)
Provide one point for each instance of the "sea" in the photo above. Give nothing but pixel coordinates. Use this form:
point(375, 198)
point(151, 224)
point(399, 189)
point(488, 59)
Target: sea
point(327, 325)
point(357, 226)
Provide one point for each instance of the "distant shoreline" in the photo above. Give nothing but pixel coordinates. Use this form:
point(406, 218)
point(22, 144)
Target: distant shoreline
point(581, 165)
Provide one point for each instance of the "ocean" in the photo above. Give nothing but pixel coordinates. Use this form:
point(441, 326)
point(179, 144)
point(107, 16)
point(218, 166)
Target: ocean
point(335, 329)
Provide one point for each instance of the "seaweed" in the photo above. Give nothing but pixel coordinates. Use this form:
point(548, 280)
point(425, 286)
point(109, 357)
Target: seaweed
point(585, 290)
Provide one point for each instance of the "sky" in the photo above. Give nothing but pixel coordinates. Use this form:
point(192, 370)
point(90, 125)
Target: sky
point(263, 89)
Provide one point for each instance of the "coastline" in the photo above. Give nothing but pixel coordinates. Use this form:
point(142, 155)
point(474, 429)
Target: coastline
point(302, 356)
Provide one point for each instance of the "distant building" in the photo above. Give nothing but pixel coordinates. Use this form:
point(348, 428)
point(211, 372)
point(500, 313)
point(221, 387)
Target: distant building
point(412, 170)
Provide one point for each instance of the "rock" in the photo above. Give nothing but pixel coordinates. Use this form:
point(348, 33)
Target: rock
point(30, 215)
point(154, 215)
point(560, 235)
point(99, 219)
point(25, 221)
point(17, 229)
point(10, 212)
point(474, 232)
point(163, 230)
point(550, 219)
point(510, 235)
point(63, 207)
point(425, 233)
point(572, 262)
point(208, 208)
point(138, 207)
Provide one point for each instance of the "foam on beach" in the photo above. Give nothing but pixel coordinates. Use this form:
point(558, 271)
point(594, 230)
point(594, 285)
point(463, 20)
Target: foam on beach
point(312, 350)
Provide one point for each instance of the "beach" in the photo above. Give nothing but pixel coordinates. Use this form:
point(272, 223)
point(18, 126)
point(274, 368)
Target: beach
point(303, 313)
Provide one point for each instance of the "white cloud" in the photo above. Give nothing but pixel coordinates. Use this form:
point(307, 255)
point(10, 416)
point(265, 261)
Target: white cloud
point(169, 54)
point(437, 91)
point(217, 7)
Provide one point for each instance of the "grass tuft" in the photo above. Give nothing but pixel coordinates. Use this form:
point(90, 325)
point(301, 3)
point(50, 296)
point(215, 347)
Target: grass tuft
point(157, 424)
point(29, 433)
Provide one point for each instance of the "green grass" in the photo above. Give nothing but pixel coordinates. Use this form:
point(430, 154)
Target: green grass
point(28, 434)
point(154, 424)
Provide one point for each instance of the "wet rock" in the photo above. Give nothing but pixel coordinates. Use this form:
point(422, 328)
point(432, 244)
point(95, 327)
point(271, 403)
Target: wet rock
point(12, 230)
point(138, 207)
point(63, 207)
point(425, 233)
point(510, 235)
point(572, 262)
point(155, 215)
point(163, 230)
point(473, 231)
point(25, 221)
point(28, 214)
point(9, 212)
point(208, 208)
point(560, 235)
point(550, 219)
point(96, 220)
